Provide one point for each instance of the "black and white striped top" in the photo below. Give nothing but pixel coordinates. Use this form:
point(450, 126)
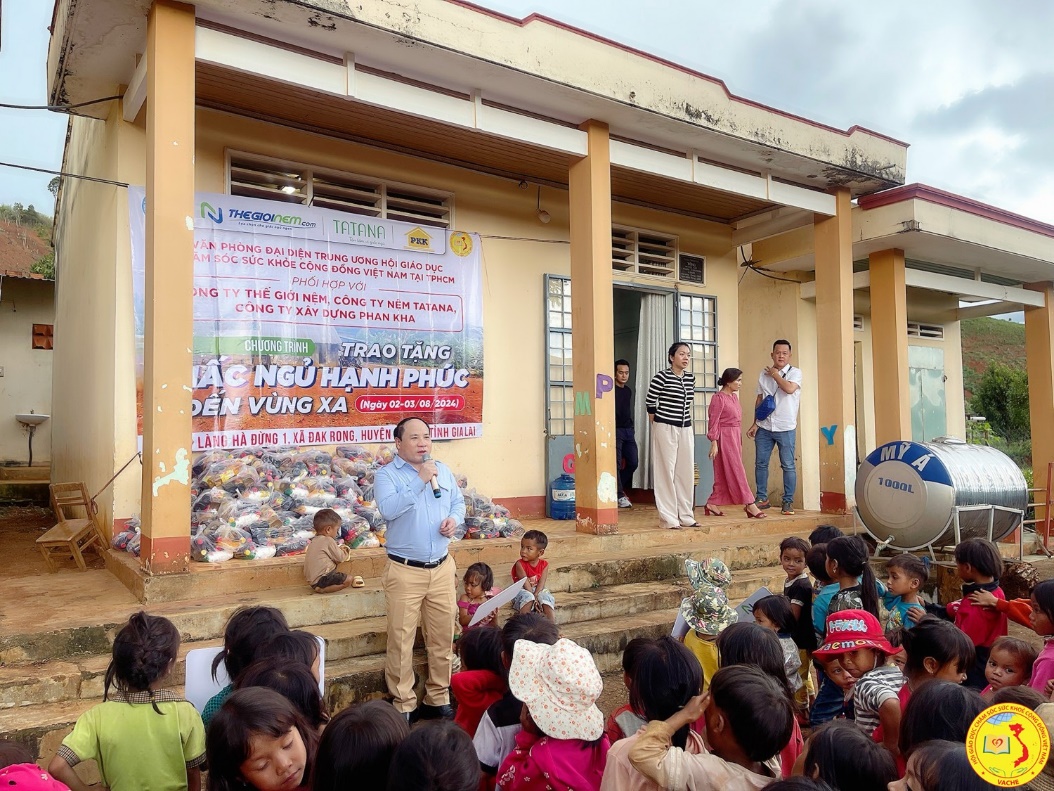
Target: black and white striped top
point(670, 398)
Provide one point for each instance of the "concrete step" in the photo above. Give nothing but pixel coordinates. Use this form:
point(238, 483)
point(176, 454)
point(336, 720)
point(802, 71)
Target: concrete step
point(36, 473)
point(42, 727)
point(206, 618)
point(24, 492)
point(242, 577)
point(362, 678)
point(48, 682)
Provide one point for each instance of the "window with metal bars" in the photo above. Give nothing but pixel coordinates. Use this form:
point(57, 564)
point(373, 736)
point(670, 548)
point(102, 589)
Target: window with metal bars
point(559, 374)
point(931, 331)
point(253, 176)
point(641, 252)
point(697, 326)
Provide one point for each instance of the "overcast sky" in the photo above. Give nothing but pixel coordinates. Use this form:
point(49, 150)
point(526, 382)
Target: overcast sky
point(968, 83)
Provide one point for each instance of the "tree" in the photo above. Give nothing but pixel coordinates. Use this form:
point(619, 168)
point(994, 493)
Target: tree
point(53, 185)
point(45, 266)
point(1002, 397)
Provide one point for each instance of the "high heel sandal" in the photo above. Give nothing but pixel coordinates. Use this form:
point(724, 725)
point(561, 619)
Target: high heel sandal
point(712, 511)
point(759, 515)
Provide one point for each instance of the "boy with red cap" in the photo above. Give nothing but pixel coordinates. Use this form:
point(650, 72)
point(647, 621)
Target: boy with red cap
point(855, 639)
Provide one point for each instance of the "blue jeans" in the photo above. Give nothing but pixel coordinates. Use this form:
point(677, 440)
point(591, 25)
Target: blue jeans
point(626, 458)
point(764, 441)
point(829, 700)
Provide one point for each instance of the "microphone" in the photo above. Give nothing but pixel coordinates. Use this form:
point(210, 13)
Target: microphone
point(435, 481)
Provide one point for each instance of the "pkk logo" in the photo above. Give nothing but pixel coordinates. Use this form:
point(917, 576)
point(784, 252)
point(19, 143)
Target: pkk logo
point(210, 213)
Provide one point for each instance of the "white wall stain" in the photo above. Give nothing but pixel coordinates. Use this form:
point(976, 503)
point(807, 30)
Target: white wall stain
point(607, 488)
point(180, 473)
point(190, 223)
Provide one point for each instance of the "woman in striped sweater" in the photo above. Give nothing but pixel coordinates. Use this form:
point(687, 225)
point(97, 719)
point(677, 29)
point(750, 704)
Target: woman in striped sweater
point(669, 405)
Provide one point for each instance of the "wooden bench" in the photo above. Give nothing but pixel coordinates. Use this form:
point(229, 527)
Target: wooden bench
point(72, 535)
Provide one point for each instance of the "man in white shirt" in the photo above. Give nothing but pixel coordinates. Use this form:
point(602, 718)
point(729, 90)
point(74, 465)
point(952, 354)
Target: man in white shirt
point(782, 381)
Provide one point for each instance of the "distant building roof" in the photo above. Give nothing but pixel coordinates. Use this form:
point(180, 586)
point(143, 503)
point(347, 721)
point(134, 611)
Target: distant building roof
point(21, 275)
point(950, 200)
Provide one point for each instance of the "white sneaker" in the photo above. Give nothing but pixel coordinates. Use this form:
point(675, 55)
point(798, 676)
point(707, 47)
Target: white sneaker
point(623, 502)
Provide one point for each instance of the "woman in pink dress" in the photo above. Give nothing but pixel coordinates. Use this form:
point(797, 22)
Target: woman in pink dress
point(726, 449)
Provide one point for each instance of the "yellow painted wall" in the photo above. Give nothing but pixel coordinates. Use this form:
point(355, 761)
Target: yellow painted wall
point(769, 310)
point(936, 308)
point(509, 460)
point(88, 257)
point(94, 304)
point(26, 384)
point(932, 308)
point(127, 488)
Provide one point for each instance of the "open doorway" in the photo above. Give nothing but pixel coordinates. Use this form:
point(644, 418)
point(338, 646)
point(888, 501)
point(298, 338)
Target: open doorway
point(645, 322)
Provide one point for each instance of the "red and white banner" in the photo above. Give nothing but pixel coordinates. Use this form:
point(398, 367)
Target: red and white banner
point(318, 327)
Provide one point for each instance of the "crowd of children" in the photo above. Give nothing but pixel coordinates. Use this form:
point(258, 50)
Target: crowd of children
point(718, 704)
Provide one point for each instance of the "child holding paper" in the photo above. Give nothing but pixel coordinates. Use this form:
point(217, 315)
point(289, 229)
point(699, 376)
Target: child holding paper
point(479, 584)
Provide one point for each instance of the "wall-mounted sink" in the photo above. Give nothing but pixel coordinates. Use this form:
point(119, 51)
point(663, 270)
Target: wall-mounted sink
point(31, 419)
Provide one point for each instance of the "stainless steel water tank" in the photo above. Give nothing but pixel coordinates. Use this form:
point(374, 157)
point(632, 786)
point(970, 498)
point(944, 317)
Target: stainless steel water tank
point(908, 490)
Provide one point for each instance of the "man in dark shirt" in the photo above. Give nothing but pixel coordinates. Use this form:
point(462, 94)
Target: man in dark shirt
point(625, 443)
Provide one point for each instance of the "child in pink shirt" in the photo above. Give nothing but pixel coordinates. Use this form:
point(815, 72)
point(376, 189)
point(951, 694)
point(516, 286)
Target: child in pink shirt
point(562, 745)
point(1043, 624)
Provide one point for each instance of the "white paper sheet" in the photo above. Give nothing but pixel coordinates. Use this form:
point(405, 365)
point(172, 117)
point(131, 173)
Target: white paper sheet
point(491, 605)
point(746, 608)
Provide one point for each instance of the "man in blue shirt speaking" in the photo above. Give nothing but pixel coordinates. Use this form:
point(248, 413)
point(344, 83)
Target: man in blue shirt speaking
point(422, 504)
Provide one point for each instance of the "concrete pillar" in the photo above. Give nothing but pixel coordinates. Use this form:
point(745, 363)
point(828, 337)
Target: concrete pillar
point(1039, 361)
point(834, 347)
point(169, 285)
point(889, 347)
point(593, 342)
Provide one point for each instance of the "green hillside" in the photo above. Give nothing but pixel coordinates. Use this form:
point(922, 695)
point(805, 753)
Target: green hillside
point(986, 341)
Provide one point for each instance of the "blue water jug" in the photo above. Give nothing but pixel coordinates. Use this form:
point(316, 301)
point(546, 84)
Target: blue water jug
point(562, 497)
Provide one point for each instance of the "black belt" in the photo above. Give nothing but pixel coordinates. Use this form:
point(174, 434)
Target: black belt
point(417, 564)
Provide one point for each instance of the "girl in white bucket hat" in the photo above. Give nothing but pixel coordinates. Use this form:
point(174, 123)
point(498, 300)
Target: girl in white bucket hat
point(562, 745)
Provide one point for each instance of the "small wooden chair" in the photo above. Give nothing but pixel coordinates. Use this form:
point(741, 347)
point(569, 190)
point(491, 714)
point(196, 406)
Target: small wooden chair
point(71, 536)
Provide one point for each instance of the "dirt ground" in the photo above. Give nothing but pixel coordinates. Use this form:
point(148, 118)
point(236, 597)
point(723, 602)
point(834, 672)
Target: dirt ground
point(20, 526)
point(1045, 568)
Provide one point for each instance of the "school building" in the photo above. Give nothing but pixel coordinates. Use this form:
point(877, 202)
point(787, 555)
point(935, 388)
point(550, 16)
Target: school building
point(623, 202)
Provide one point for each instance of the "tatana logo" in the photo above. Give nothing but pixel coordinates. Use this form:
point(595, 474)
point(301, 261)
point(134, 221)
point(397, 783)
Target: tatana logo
point(208, 212)
point(847, 625)
point(362, 230)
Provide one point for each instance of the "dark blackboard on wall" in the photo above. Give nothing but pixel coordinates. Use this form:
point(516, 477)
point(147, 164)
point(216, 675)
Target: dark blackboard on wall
point(691, 268)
